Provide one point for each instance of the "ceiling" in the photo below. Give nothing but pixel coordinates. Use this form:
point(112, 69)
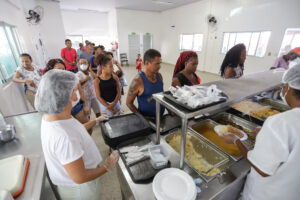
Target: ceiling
point(107, 5)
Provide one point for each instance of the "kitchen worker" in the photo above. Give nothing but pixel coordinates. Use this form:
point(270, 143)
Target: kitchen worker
point(145, 84)
point(284, 61)
point(275, 158)
point(233, 63)
point(72, 157)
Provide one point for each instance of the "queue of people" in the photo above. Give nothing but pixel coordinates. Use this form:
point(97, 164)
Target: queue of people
point(90, 79)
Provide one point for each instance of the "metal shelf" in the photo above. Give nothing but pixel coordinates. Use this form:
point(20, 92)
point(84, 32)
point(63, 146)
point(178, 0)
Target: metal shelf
point(236, 90)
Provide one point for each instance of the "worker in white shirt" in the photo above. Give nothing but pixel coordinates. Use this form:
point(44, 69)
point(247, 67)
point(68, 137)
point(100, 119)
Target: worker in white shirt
point(275, 159)
point(72, 157)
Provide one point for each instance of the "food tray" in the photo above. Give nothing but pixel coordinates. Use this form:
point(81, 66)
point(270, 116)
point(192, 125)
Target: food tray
point(253, 107)
point(141, 171)
point(124, 127)
point(168, 95)
point(213, 156)
point(205, 129)
point(229, 119)
point(278, 105)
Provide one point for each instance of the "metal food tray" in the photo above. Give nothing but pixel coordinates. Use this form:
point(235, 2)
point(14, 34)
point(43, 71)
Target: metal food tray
point(168, 95)
point(212, 155)
point(142, 170)
point(211, 124)
point(277, 105)
point(242, 124)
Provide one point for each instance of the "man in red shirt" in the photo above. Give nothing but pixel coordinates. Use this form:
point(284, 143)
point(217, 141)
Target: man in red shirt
point(69, 56)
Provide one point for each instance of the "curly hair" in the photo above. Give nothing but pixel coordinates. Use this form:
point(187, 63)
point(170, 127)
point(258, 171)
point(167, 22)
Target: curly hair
point(52, 62)
point(232, 57)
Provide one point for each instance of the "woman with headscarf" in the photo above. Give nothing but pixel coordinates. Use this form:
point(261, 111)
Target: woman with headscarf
point(233, 63)
point(184, 72)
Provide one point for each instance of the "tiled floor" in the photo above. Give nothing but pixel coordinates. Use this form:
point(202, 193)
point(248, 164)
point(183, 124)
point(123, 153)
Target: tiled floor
point(110, 187)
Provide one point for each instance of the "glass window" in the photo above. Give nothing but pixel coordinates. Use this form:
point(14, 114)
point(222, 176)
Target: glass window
point(225, 43)
point(7, 60)
point(197, 44)
point(9, 51)
point(256, 42)
point(13, 45)
point(290, 40)
point(186, 42)
point(243, 38)
point(231, 42)
point(263, 43)
point(253, 43)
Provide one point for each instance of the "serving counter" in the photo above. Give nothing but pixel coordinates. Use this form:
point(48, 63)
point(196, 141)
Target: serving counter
point(225, 185)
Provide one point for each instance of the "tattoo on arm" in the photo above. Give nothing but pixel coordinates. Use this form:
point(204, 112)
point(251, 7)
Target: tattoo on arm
point(133, 87)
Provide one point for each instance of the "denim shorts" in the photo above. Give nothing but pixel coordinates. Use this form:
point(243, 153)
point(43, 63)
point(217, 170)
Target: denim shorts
point(76, 109)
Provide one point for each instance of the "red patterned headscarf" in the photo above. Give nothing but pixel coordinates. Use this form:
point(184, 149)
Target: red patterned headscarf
point(180, 64)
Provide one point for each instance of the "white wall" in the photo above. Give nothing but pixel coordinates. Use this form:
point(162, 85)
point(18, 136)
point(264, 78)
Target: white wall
point(140, 22)
point(52, 29)
point(256, 15)
point(93, 26)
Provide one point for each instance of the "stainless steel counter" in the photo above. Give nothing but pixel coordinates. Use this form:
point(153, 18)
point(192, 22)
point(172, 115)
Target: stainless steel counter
point(223, 187)
point(27, 143)
point(227, 186)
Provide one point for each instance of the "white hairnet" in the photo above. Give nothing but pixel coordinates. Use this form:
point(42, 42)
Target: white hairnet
point(54, 91)
point(292, 77)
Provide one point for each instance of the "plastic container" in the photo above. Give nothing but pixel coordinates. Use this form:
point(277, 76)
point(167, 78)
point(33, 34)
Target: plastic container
point(158, 157)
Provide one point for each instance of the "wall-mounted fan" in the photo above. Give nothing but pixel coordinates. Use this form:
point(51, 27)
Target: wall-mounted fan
point(35, 15)
point(211, 20)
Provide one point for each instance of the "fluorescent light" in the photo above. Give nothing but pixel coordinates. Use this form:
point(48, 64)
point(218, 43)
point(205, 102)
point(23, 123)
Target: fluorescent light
point(163, 2)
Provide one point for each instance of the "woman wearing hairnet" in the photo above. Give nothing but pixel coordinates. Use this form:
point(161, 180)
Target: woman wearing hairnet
point(275, 159)
point(71, 156)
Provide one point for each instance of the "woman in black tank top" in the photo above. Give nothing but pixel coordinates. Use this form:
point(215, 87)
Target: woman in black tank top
point(107, 87)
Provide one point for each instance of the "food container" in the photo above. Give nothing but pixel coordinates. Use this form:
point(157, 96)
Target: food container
point(278, 105)
point(205, 129)
point(254, 109)
point(158, 157)
point(167, 123)
point(247, 126)
point(199, 155)
point(121, 128)
point(7, 133)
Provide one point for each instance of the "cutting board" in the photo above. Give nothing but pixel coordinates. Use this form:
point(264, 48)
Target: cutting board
point(13, 172)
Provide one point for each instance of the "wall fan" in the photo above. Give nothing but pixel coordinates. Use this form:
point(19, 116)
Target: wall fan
point(35, 15)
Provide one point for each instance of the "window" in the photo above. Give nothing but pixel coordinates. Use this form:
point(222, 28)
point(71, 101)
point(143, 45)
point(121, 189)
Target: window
point(9, 51)
point(191, 42)
point(290, 40)
point(256, 42)
point(76, 39)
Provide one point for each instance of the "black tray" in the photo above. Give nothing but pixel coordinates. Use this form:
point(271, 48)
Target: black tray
point(141, 171)
point(121, 128)
point(168, 95)
point(167, 123)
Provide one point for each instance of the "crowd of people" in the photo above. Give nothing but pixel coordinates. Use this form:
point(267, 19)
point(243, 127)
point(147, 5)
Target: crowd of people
point(90, 79)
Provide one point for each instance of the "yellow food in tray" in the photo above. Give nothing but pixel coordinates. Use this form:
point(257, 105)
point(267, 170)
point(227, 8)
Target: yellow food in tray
point(264, 114)
point(194, 158)
point(254, 109)
point(211, 135)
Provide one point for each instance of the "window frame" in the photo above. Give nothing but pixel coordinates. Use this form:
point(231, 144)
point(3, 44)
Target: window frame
point(237, 32)
point(192, 49)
